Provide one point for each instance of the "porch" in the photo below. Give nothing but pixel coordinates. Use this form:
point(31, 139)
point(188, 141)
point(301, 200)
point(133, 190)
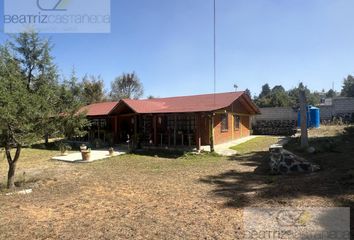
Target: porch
point(182, 130)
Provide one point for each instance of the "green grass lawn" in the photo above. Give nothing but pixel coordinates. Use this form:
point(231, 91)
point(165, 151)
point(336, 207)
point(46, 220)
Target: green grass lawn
point(255, 145)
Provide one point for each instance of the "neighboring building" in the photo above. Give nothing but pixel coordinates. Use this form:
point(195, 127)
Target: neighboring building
point(189, 121)
point(338, 107)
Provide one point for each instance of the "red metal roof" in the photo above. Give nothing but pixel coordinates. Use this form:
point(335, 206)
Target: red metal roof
point(196, 103)
point(99, 109)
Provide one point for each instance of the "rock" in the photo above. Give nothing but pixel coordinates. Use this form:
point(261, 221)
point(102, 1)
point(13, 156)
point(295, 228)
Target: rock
point(26, 191)
point(285, 162)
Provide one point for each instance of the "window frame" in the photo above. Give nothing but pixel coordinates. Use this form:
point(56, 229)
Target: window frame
point(237, 126)
point(224, 127)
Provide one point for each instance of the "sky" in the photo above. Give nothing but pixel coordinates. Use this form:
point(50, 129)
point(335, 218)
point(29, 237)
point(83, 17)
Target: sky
point(169, 44)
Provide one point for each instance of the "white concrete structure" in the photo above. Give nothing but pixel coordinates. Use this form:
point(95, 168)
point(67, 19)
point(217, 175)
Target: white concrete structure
point(95, 156)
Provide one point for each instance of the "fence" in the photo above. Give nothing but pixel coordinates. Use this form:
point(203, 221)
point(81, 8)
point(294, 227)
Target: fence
point(275, 121)
point(283, 120)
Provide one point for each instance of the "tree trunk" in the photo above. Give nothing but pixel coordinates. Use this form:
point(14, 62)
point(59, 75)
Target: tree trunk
point(12, 165)
point(11, 176)
point(303, 112)
point(46, 139)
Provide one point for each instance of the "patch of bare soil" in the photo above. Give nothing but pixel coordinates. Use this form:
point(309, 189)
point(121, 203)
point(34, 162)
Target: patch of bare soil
point(131, 197)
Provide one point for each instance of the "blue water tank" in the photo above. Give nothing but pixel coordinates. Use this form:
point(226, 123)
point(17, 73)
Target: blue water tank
point(313, 117)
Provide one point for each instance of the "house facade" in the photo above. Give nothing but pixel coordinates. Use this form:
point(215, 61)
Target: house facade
point(188, 121)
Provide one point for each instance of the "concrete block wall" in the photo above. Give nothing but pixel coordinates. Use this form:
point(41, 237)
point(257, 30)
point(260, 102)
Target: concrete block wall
point(275, 121)
point(339, 107)
point(343, 105)
point(276, 113)
point(326, 113)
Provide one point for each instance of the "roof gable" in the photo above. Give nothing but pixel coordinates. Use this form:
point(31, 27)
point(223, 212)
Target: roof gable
point(98, 109)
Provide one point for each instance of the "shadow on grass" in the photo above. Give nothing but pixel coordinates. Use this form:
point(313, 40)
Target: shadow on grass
point(54, 145)
point(160, 153)
point(250, 184)
point(50, 146)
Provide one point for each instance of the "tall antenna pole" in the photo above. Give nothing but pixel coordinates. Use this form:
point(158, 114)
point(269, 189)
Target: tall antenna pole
point(214, 51)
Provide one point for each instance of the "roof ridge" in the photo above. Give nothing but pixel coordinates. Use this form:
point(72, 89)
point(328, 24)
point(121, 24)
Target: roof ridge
point(197, 95)
point(103, 102)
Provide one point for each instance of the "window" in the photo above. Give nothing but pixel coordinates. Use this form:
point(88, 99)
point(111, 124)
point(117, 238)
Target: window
point(224, 123)
point(237, 120)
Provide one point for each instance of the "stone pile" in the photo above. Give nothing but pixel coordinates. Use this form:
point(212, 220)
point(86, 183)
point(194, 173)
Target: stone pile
point(282, 161)
point(275, 127)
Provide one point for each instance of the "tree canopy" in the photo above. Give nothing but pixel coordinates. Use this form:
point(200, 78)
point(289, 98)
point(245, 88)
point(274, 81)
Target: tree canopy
point(30, 103)
point(279, 97)
point(92, 89)
point(331, 94)
point(126, 86)
point(348, 87)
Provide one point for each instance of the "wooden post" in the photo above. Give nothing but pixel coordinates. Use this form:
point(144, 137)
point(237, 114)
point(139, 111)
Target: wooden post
point(175, 131)
point(233, 125)
point(211, 132)
point(198, 134)
point(155, 129)
point(197, 131)
point(250, 118)
point(303, 112)
point(115, 124)
point(135, 131)
point(98, 130)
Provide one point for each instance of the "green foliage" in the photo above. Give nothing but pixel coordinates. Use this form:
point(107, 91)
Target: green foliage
point(265, 91)
point(92, 90)
point(72, 123)
point(73, 88)
point(126, 86)
point(32, 102)
point(32, 53)
point(63, 147)
point(31, 99)
point(248, 92)
point(21, 115)
point(348, 87)
point(312, 98)
point(331, 94)
point(279, 97)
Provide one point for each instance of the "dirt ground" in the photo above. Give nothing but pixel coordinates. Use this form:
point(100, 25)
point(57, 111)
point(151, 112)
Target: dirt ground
point(169, 196)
